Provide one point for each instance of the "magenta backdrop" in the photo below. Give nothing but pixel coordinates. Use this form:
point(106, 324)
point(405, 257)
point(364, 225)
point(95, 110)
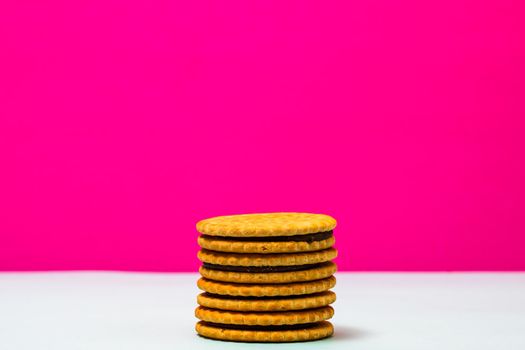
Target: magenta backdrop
point(125, 122)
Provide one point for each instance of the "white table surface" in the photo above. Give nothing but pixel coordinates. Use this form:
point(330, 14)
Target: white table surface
point(103, 311)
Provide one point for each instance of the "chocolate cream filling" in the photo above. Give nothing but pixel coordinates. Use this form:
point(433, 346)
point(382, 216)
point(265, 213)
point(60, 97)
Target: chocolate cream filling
point(261, 269)
point(312, 237)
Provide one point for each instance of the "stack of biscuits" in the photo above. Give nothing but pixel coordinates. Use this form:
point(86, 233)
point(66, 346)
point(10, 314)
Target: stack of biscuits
point(266, 277)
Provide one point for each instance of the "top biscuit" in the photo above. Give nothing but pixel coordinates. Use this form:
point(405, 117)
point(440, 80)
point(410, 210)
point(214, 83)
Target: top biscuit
point(266, 225)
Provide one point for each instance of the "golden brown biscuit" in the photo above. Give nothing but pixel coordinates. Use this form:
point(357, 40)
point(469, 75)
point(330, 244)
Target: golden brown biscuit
point(318, 272)
point(308, 332)
point(210, 243)
point(275, 318)
point(284, 259)
point(263, 225)
point(264, 290)
point(309, 301)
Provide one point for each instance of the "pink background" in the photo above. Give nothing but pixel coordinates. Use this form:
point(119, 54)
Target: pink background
point(122, 123)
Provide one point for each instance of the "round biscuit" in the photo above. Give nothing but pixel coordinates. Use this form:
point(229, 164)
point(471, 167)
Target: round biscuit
point(267, 224)
point(265, 290)
point(281, 259)
point(309, 301)
point(316, 273)
point(275, 318)
point(219, 245)
point(317, 331)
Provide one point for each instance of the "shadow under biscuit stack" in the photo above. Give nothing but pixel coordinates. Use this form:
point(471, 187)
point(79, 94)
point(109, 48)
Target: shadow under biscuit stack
point(266, 277)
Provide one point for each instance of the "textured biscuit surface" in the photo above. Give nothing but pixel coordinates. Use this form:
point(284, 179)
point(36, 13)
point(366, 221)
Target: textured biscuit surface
point(263, 290)
point(263, 247)
point(275, 318)
point(263, 225)
point(316, 273)
point(283, 259)
point(275, 304)
point(318, 331)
